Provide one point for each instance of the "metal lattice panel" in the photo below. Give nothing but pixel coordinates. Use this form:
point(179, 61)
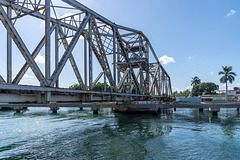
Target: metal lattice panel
point(122, 53)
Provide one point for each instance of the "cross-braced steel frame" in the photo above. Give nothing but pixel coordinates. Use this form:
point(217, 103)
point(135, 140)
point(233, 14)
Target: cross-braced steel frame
point(129, 72)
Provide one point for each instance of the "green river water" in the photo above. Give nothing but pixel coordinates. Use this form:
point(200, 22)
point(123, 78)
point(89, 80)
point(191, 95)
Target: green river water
point(73, 134)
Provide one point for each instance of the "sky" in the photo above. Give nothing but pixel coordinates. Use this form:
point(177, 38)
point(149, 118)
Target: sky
point(190, 37)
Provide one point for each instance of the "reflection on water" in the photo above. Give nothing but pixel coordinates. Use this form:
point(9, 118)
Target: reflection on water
point(73, 134)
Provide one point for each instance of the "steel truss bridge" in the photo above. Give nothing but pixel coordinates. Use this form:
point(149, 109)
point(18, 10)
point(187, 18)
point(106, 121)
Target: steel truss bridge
point(123, 55)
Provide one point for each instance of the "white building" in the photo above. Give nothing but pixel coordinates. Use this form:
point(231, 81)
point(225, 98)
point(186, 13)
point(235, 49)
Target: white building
point(234, 94)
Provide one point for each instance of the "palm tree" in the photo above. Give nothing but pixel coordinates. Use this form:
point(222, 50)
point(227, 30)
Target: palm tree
point(195, 81)
point(228, 75)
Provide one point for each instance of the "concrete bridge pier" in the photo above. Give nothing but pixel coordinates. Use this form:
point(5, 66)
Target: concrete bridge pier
point(54, 109)
point(18, 109)
point(175, 109)
point(0, 108)
point(214, 111)
point(95, 109)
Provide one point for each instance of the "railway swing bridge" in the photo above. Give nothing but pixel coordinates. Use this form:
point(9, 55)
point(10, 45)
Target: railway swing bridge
point(126, 57)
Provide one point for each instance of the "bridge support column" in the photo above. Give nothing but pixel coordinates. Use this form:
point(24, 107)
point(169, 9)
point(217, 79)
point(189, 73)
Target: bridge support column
point(214, 111)
point(0, 108)
point(17, 109)
point(47, 97)
point(81, 108)
point(175, 109)
point(200, 109)
point(54, 109)
point(9, 51)
point(238, 109)
point(95, 109)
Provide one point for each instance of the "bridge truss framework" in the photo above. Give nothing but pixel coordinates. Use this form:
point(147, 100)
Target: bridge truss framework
point(123, 54)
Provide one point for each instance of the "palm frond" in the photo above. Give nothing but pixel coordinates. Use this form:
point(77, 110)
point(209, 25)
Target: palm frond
point(228, 75)
point(221, 72)
point(232, 73)
point(223, 79)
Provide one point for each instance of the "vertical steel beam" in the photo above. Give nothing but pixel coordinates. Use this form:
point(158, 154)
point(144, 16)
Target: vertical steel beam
point(85, 61)
point(47, 47)
point(90, 55)
point(114, 58)
point(130, 81)
point(118, 60)
point(9, 50)
point(147, 81)
point(105, 83)
point(141, 78)
point(56, 53)
point(48, 40)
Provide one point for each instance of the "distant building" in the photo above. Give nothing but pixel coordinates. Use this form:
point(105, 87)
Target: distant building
point(234, 94)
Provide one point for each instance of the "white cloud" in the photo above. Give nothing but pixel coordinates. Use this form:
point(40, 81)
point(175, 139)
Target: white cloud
point(211, 73)
point(189, 57)
point(165, 59)
point(238, 84)
point(189, 88)
point(27, 78)
point(175, 89)
point(40, 59)
point(231, 12)
point(181, 89)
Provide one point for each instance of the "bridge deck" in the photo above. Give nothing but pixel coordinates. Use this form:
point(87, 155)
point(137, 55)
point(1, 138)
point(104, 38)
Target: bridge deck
point(137, 107)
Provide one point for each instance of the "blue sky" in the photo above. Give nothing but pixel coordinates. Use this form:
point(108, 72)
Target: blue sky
point(199, 35)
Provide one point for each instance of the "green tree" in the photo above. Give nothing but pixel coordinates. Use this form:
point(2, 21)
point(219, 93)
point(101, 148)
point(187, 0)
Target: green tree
point(228, 75)
point(208, 88)
point(175, 94)
point(185, 93)
point(75, 86)
point(195, 81)
point(98, 87)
